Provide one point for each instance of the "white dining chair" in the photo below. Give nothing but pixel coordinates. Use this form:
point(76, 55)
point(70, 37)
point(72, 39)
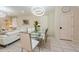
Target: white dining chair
point(44, 37)
point(27, 42)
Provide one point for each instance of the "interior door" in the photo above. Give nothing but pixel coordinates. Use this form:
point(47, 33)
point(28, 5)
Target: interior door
point(66, 26)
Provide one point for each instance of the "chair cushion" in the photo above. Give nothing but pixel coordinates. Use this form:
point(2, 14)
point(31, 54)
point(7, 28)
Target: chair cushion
point(34, 43)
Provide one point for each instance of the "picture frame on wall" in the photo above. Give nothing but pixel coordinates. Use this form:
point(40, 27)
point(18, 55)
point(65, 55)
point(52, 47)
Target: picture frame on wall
point(26, 22)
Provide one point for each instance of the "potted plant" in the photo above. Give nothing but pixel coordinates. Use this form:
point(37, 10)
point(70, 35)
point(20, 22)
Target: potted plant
point(36, 25)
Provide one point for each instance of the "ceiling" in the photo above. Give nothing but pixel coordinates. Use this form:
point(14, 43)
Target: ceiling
point(24, 10)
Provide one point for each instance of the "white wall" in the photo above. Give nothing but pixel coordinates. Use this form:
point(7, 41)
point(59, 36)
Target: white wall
point(76, 24)
point(51, 22)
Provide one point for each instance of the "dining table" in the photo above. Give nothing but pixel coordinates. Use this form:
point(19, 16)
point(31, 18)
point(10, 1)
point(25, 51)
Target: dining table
point(38, 34)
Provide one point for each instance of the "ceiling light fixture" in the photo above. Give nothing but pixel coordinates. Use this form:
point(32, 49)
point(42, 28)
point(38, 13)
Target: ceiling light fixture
point(38, 11)
point(5, 9)
point(2, 14)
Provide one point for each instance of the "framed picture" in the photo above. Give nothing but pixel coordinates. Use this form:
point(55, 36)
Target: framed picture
point(25, 21)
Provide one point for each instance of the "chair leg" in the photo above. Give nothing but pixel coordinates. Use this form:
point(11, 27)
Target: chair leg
point(21, 49)
point(39, 48)
point(44, 42)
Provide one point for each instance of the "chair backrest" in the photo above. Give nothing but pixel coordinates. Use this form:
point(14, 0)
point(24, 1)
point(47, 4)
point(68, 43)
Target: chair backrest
point(26, 41)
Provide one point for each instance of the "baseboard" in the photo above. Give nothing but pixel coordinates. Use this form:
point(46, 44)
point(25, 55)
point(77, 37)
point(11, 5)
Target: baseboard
point(66, 39)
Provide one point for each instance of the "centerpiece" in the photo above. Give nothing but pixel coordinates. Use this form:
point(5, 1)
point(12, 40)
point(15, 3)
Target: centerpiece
point(37, 26)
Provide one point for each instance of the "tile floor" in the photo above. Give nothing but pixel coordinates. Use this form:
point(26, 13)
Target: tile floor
point(52, 45)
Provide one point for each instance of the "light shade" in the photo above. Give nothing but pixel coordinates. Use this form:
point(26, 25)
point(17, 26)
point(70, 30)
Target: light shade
point(5, 9)
point(2, 14)
point(38, 11)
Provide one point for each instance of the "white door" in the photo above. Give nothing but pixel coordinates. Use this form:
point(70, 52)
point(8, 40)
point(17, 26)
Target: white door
point(66, 26)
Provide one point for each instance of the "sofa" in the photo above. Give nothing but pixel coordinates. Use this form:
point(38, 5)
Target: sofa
point(12, 36)
point(9, 37)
